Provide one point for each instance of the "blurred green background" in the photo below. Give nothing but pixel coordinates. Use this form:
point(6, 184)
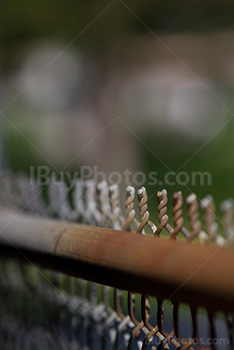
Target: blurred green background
point(165, 68)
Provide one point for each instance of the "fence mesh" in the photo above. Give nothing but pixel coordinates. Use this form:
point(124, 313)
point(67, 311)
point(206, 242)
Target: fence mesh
point(45, 309)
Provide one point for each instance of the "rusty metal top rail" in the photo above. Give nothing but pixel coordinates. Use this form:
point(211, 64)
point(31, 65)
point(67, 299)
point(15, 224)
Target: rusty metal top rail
point(168, 269)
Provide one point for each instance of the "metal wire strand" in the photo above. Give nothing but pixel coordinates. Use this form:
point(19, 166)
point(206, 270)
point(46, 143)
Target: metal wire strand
point(178, 220)
point(91, 215)
point(30, 193)
point(153, 330)
point(105, 210)
point(58, 197)
point(78, 200)
point(117, 220)
point(208, 207)
point(130, 214)
point(226, 208)
point(193, 215)
point(162, 210)
point(104, 203)
point(144, 214)
point(130, 211)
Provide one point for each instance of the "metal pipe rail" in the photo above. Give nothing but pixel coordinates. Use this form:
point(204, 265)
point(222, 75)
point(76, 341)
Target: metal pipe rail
point(167, 269)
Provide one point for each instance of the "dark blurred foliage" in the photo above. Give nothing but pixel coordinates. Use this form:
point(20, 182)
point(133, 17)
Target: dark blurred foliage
point(25, 20)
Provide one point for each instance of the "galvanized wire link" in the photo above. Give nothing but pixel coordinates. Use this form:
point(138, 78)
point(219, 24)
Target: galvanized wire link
point(144, 213)
point(163, 217)
point(162, 210)
point(91, 214)
point(30, 194)
point(78, 200)
point(172, 337)
point(58, 200)
point(152, 330)
point(104, 203)
point(195, 223)
point(208, 207)
point(193, 215)
point(130, 211)
point(144, 326)
point(117, 220)
point(178, 220)
point(227, 208)
point(129, 205)
point(136, 326)
point(9, 194)
point(178, 216)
